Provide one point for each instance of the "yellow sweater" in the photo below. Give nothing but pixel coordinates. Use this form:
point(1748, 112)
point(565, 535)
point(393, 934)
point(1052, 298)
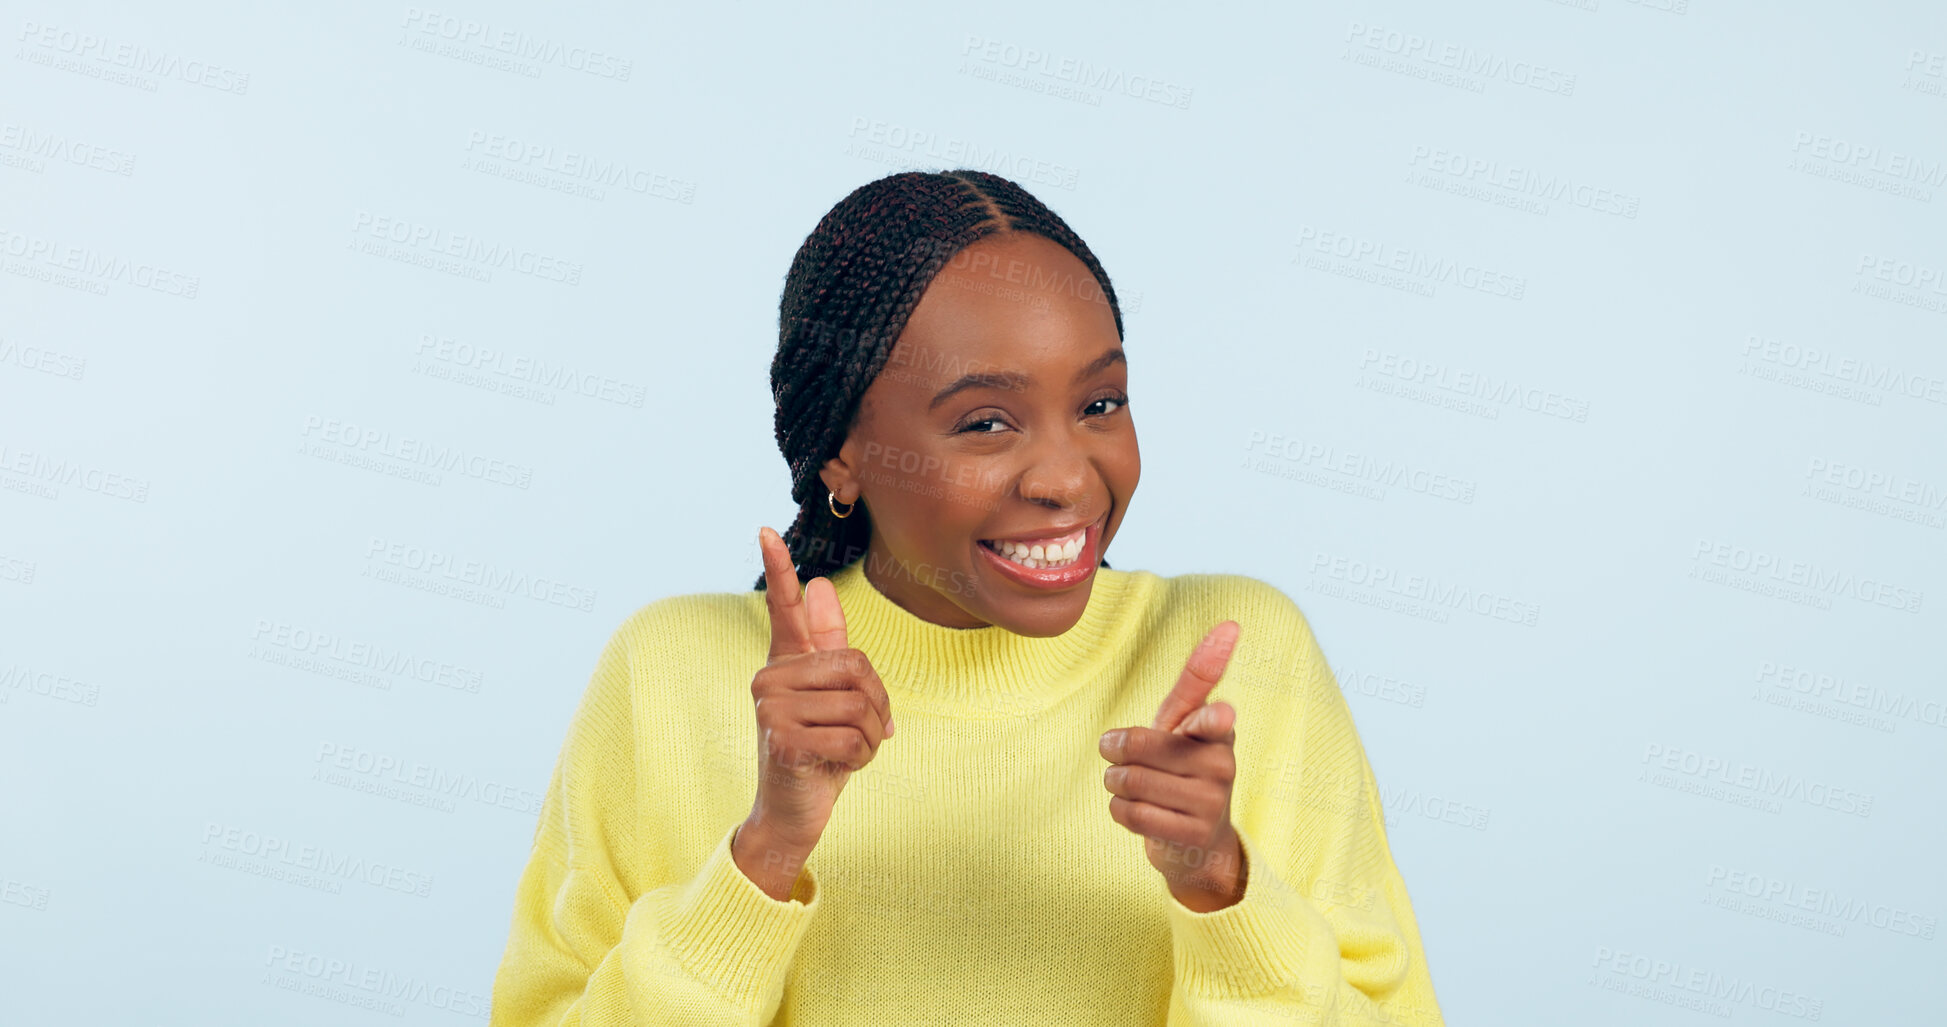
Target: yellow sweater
point(971, 873)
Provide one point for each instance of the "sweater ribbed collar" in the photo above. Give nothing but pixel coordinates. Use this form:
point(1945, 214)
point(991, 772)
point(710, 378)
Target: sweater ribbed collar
point(988, 672)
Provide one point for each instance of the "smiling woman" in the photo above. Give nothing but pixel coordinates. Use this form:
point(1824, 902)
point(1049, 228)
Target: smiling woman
point(953, 401)
point(1010, 397)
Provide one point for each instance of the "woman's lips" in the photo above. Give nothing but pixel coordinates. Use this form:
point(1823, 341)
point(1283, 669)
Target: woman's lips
point(1068, 574)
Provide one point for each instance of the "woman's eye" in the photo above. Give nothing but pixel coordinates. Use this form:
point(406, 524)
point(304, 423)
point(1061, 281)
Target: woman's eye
point(1113, 403)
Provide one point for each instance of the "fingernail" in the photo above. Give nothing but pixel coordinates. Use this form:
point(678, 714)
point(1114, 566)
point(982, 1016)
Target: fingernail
point(1111, 739)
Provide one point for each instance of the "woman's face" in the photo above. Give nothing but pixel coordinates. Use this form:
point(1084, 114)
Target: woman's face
point(1001, 414)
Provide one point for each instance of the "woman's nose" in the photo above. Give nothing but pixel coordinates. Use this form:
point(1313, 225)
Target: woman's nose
point(1057, 475)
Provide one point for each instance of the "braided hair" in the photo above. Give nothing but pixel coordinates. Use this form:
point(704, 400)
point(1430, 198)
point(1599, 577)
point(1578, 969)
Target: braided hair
point(850, 289)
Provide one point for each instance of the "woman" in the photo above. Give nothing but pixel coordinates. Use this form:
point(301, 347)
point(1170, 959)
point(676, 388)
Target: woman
point(1066, 830)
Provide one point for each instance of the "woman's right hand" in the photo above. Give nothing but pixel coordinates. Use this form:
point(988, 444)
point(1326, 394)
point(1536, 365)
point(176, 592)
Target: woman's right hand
point(821, 713)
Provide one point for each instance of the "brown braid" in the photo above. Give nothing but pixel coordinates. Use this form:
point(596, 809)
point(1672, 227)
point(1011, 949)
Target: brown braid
point(851, 288)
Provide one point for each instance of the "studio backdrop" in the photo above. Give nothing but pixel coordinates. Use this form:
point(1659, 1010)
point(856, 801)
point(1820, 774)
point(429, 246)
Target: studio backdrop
point(1578, 366)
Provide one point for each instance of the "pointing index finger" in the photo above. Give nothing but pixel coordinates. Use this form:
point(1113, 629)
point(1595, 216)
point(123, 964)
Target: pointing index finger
point(1201, 672)
point(790, 623)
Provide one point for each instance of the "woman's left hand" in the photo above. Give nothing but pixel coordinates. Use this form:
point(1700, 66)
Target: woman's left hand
point(1170, 782)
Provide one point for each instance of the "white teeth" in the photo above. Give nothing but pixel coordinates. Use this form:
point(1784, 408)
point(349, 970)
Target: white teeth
point(1043, 554)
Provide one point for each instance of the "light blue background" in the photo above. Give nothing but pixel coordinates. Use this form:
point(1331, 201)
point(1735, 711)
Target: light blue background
point(148, 712)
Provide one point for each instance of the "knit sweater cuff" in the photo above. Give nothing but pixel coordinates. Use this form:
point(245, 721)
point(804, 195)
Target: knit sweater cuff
point(727, 931)
point(1260, 944)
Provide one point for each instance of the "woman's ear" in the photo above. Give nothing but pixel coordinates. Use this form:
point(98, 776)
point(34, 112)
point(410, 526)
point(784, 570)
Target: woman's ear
point(839, 477)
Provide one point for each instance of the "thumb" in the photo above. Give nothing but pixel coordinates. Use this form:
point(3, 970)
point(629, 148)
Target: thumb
point(824, 616)
point(1201, 673)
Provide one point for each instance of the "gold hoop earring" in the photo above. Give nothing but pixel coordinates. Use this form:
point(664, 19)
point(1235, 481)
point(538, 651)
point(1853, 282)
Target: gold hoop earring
point(830, 502)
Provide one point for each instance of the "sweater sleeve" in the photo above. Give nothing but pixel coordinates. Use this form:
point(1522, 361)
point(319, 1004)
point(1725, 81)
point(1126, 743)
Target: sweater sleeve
point(1324, 932)
point(593, 940)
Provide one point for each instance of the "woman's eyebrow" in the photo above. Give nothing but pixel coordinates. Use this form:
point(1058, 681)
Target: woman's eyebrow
point(1009, 380)
point(1015, 380)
